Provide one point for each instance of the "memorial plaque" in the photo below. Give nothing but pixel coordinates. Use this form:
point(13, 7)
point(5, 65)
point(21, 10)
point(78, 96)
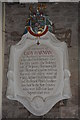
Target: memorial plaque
point(38, 71)
point(37, 74)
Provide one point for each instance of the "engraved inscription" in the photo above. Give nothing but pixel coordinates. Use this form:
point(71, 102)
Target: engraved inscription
point(38, 70)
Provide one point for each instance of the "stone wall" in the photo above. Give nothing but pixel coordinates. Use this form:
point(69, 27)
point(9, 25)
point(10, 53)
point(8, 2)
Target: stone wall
point(63, 15)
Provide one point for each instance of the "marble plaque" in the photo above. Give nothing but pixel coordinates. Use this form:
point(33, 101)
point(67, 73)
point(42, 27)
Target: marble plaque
point(38, 74)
